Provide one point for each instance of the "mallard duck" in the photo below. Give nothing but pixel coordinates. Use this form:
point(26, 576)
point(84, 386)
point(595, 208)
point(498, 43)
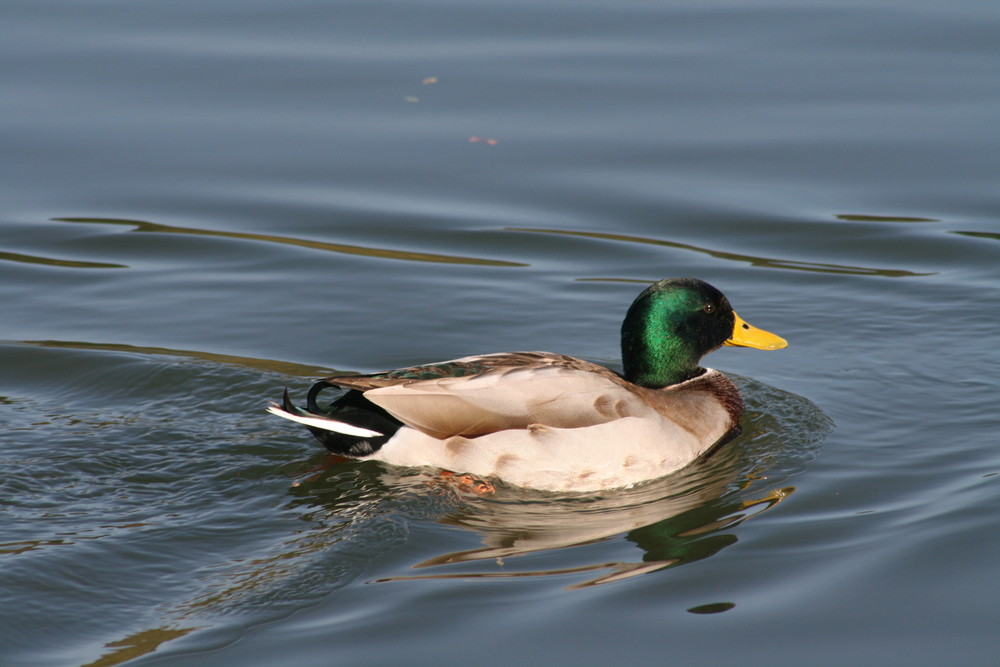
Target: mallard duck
point(551, 421)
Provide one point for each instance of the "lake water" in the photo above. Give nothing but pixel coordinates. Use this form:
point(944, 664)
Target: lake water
point(202, 203)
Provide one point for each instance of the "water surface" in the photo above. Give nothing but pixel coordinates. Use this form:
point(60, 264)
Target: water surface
point(204, 203)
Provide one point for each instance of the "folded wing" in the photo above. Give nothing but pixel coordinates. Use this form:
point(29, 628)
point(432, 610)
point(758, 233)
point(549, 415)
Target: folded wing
point(560, 394)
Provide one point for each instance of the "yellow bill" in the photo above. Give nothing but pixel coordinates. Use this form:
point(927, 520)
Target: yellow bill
point(747, 335)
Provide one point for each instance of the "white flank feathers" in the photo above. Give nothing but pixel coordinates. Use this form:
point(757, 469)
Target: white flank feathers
point(324, 423)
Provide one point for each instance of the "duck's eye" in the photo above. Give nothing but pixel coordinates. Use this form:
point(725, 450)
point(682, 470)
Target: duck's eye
point(709, 308)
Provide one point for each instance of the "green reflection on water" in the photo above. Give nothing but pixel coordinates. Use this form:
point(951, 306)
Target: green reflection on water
point(980, 235)
point(767, 262)
point(712, 608)
point(286, 367)
point(65, 263)
point(15, 548)
point(137, 645)
point(882, 218)
point(143, 226)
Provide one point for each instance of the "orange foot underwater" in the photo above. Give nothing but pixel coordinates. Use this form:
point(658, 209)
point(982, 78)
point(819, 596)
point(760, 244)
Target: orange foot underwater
point(466, 483)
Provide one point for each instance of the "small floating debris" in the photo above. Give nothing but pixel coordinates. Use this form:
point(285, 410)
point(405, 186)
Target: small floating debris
point(713, 608)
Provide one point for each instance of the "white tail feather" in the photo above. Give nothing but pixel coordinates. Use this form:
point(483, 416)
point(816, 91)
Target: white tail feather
point(324, 423)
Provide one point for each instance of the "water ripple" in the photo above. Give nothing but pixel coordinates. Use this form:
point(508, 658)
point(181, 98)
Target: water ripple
point(767, 262)
point(384, 253)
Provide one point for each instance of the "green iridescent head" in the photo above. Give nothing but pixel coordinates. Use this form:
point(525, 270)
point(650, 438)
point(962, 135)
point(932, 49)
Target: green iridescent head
point(674, 323)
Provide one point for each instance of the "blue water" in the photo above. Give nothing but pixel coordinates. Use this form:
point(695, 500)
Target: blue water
point(204, 203)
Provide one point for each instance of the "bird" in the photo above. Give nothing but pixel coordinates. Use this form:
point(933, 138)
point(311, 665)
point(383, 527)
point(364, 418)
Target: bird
point(550, 421)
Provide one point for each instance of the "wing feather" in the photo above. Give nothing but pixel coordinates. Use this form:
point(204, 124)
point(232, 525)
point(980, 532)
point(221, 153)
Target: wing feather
point(511, 398)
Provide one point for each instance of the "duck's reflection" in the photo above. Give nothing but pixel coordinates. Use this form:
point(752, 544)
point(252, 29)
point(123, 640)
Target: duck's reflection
point(676, 520)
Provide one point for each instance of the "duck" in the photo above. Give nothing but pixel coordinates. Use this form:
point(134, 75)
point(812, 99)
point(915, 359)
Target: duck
point(550, 421)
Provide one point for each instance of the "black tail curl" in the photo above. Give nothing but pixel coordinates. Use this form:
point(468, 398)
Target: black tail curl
point(353, 408)
point(313, 393)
